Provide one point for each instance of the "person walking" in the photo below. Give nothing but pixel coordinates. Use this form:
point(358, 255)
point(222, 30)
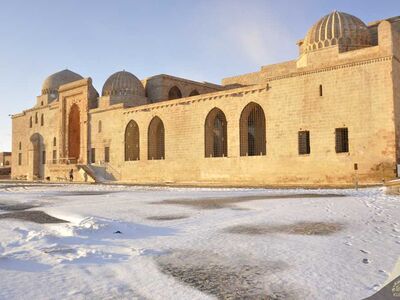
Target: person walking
point(71, 175)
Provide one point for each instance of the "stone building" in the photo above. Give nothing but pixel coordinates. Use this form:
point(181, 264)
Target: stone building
point(330, 117)
point(5, 165)
point(5, 159)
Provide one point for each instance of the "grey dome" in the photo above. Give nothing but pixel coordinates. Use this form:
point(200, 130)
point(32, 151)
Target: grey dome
point(53, 82)
point(123, 84)
point(337, 28)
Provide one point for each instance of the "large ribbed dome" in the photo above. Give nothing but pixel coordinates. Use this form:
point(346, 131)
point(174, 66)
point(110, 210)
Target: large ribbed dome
point(337, 28)
point(123, 84)
point(53, 82)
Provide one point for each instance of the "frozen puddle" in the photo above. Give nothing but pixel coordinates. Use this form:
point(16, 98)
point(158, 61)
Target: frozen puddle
point(15, 207)
point(167, 217)
point(227, 202)
point(302, 228)
point(35, 216)
point(227, 278)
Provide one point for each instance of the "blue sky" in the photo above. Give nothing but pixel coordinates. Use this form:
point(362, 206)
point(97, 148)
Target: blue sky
point(201, 39)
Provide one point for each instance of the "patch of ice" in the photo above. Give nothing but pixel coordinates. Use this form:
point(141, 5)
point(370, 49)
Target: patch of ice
point(375, 287)
point(150, 252)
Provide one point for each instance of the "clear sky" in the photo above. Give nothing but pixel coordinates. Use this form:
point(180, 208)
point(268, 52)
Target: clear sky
point(197, 39)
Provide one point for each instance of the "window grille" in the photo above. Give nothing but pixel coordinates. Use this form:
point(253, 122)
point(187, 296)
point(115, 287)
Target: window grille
point(252, 131)
point(342, 140)
point(304, 142)
point(132, 141)
point(156, 139)
point(216, 134)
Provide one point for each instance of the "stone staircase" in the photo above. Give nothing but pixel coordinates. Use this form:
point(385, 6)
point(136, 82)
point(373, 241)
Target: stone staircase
point(83, 173)
point(60, 172)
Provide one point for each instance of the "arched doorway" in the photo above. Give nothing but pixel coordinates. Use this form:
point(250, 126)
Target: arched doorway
point(74, 133)
point(35, 156)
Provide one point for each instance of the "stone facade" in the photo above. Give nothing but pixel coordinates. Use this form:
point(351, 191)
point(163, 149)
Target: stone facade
point(5, 159)
point(337, 105)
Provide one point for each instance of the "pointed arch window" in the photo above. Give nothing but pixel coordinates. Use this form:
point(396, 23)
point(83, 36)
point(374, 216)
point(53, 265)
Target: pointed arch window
point(215, 133)
point(252, 131)
point(194, 93)
point(156, 139)
point(132, 149)
point(174, 93)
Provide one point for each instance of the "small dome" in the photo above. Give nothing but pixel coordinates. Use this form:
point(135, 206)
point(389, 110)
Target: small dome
point(53, 82)
point(337, 28)
point(123, 84)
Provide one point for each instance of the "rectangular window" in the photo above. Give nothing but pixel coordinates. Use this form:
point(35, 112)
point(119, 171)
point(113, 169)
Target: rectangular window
point(342, 140)
point(54, 156)
point(107, 154)
point(19, 159)
point(43, 157)
point(93, 155)
point(304, 142)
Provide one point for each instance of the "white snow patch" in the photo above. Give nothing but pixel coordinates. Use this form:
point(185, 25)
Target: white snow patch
point(109, 247)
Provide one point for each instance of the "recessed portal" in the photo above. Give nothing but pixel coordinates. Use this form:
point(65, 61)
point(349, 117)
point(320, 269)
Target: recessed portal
point(74, 133)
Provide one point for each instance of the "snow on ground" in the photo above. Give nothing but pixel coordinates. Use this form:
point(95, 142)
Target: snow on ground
point(123, 242)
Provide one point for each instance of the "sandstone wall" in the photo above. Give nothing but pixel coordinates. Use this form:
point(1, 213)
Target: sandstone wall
point(357, 96)
point(22, 133)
